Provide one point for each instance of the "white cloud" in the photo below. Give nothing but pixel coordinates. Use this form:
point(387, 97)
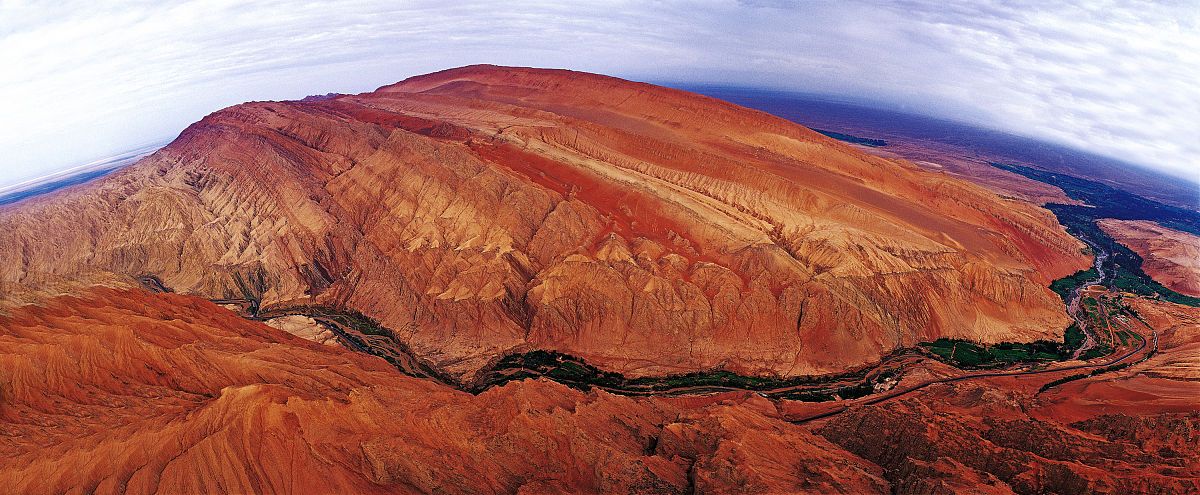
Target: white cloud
point(86, 78)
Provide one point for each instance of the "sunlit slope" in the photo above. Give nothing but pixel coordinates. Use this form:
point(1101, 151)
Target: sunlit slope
point(485, 209)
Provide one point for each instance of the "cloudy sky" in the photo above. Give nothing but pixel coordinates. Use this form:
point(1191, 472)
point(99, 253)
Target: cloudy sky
point(86, 79)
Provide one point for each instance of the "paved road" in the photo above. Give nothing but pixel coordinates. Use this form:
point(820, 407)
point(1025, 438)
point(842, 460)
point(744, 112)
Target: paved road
point(899, 393)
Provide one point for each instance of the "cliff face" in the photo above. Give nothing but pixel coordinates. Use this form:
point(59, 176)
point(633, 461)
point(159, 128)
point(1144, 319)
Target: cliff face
point(480, 210)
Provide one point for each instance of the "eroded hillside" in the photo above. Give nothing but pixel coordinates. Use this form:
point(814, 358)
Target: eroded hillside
point(483, 210)
point(461, 217)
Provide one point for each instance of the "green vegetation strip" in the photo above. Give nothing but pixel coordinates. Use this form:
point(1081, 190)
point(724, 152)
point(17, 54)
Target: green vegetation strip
point(1100, 350)
point(355, 327)
point(1107, 202)
point(972, 355)
point(574, 372)
point(1065, 285)
point(1073, 338)
point(347, 318)
point(1071, 378)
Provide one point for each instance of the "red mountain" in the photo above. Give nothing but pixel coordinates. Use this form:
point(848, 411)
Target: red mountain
point(457, 220)
point(484, 210)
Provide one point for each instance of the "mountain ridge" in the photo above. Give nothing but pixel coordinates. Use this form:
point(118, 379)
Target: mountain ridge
point(530, 209)
point(290, 296)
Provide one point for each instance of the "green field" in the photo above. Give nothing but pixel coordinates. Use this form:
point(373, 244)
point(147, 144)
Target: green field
point(1100, 350)
point(967, 354)
point(1065, 285)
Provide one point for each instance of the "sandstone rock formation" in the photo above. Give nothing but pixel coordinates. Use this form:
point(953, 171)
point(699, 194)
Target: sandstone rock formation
point(487, 210)
point(1135, 430)
point(978, 439)
point(305, 328)
point(124, 391)
point(483, 210)
point(1170, 257)
point(130, 392)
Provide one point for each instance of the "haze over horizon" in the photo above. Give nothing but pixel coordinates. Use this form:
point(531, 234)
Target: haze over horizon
point(86, 79)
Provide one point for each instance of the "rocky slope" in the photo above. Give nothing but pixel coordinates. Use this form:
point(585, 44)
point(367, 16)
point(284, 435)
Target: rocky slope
point(483, 210)
point(1170, 257)
point(486, 210)
point(980, 439)
point(130, 392)
point(124, 391)
point(1136, 430)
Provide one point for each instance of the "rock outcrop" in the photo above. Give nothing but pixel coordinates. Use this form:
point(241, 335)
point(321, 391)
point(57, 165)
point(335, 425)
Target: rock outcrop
point(484, 210)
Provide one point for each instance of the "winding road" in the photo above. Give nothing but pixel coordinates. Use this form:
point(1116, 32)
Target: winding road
point(409, 364)
point(898, 393)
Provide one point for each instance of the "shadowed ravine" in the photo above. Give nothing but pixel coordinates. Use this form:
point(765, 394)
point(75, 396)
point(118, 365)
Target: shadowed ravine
point(361, 334)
